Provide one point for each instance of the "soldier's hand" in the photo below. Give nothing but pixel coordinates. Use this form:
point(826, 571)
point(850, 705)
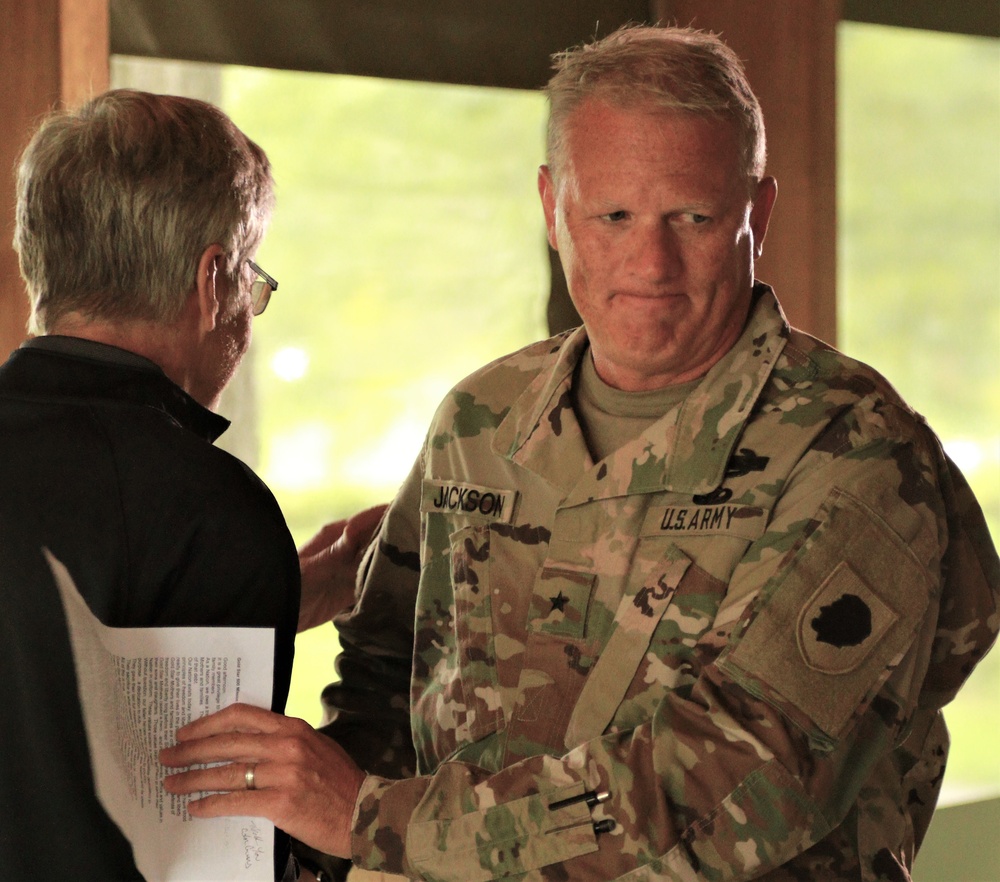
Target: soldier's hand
point(301, 779)
point(329, 564)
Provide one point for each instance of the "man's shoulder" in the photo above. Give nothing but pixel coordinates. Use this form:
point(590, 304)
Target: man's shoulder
point(809, 371)
point(524, 364)
point(813, 377)
point(482, 399)
point(150, 441)
point(145, 453)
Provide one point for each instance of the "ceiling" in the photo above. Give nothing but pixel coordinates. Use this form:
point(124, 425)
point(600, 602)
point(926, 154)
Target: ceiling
point(504, 44)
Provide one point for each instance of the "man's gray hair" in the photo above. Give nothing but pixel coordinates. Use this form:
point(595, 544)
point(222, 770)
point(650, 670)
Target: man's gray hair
point(117, 201)
point(673, 69)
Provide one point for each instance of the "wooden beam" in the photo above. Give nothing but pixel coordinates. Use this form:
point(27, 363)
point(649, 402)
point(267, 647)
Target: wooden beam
point(789, 51)
point(52, 53)
point(84, 50)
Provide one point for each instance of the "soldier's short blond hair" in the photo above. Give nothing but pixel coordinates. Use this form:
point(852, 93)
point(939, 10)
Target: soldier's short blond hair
point(673, 69)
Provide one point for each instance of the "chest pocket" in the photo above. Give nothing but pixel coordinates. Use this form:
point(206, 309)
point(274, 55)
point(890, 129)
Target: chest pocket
point(657, 573)
point(455, 696)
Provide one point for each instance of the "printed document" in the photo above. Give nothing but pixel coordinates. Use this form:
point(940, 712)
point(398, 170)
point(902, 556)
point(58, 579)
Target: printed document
point(137, 687)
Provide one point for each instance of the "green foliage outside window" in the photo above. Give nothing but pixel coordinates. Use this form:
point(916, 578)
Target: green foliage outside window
point(919, 274)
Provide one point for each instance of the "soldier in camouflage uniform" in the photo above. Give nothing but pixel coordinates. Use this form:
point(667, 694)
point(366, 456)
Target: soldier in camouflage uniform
point(678, 595)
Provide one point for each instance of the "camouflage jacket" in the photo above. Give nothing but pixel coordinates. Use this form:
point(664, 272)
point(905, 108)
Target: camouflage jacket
point(741, 626)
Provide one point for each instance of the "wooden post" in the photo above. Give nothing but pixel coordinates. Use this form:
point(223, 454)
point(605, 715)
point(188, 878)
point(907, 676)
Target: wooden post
point(789, 49)
point(52, 53)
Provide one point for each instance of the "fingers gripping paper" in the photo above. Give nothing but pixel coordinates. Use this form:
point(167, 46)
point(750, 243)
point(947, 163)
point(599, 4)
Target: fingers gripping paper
point(136, 687)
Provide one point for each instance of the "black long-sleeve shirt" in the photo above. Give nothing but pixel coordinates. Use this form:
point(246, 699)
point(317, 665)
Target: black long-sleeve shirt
point(110, 466)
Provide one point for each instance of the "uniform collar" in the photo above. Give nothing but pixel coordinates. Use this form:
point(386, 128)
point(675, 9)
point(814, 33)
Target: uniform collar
point(713, 417)
point(685, 453)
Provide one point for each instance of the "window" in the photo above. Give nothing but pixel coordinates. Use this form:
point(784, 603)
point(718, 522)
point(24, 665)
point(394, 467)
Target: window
point(919, 275)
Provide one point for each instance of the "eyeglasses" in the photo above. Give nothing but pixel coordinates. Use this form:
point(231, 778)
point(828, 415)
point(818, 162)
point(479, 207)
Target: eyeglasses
point(261, 289)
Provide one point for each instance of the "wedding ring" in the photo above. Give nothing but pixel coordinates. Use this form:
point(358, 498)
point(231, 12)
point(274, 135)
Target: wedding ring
point(248, 776)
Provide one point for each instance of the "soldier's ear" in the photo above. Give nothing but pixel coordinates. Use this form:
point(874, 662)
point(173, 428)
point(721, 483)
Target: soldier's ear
point(760, 212)
point(547, 192)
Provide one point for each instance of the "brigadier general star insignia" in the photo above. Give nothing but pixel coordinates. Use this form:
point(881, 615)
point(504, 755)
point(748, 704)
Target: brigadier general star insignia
point(559, 602)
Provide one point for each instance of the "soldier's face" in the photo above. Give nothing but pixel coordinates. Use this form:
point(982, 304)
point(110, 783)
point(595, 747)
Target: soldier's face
point(657, 235)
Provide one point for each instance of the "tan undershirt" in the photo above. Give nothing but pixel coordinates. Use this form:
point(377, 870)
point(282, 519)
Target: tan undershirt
point(611, 417)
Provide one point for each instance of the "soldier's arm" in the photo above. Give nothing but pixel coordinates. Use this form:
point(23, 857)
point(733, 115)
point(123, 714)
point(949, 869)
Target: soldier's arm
point(367, 711)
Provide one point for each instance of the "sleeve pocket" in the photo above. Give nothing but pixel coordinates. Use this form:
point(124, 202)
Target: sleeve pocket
point(836, 622)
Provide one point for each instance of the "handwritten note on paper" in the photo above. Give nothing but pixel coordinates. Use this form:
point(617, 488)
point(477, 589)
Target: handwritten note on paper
point(137, 686)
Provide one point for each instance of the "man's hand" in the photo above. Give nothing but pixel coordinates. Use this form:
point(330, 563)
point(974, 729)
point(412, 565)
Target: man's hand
point(329, 563)
point(303, 781)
